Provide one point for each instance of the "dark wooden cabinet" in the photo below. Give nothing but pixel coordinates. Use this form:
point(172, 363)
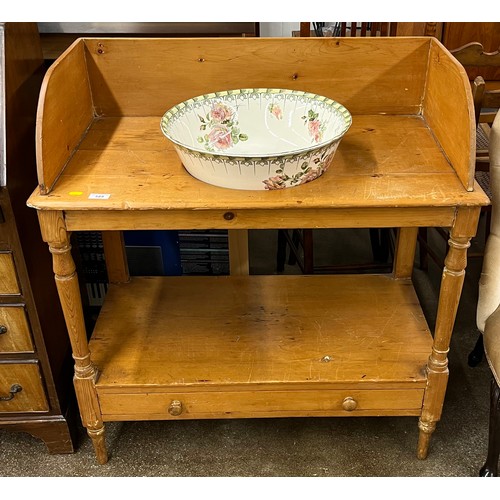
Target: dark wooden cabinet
point(456, 35)
point(35, 395)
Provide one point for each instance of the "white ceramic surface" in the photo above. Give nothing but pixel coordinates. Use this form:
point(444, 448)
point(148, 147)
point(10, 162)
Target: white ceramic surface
point(256, 138)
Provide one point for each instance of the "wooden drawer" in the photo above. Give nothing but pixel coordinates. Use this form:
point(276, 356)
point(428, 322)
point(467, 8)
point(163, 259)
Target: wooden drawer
point(31, 398)
point(8, 276)
point(250, 404)
point(14, 330)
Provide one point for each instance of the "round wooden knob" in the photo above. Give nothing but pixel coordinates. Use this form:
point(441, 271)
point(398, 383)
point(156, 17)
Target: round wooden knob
point(349, 404)
point(229, 215)
point(175, 408)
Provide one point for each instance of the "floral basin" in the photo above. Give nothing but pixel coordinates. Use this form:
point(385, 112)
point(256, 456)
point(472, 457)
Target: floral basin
point(256, 138)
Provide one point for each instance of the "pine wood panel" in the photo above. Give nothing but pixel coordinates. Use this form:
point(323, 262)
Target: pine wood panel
point(17, 338)
point(382, 161)
point(405, 252)
point(259, 219)
point(32, 397)
point(155, 74)
point(452, 120)
point(272, 330)
point(115, 256)
point(260, 404)
point(9, 284)
point(239, 263)
point(64, 113)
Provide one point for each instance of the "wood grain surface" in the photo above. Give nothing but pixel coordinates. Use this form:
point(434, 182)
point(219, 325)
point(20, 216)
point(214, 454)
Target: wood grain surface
point(247, 331)
point(9, 284)
point(451, 120)
point(260, 404)
point(32, 396)
point(382, 161)
point(17, 338)
point(155, 74)
point(64, 113)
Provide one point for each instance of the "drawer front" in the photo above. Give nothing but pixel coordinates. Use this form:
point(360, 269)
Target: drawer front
point(250, 404)
point(8, 276)
point(31, 396)
point(14, 330)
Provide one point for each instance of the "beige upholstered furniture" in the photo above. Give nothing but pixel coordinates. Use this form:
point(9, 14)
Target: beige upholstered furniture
point(488, 308)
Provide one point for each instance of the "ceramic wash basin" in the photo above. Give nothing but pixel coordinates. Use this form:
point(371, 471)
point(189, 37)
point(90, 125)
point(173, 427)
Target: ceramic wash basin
point(256, 138)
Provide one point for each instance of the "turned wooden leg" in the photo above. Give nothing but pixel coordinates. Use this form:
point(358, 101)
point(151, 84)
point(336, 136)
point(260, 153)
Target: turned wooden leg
point(490, 468)
point(449, 296)
point(54, 233)
point(425, 431)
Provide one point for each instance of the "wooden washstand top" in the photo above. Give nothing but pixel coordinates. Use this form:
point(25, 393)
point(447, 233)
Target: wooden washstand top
point(383, 161)
point(410, 144)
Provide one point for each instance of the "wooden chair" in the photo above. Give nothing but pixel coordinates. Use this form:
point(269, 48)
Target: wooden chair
point(488, 307)
point(358, 29)
point(300, 241)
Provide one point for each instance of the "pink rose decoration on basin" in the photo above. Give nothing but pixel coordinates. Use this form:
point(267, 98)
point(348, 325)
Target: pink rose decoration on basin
point(314, 126)
point(221, 113)
point(222, 126)
point(276, 111)
point(315, 130)
point(220, 137)
point(307, 173)
point(277, 182)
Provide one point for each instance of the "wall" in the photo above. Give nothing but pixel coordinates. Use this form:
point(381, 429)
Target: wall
point(278, 29)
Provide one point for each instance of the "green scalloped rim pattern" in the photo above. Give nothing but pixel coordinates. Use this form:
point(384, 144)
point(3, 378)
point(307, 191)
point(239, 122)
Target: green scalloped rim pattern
point(179, 109)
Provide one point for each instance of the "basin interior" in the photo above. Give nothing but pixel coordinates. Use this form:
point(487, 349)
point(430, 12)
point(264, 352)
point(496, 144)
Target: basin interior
point(256, 123)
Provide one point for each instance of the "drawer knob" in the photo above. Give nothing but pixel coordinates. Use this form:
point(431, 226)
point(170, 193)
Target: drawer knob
point(175, 408)
point(3, 329)
point(229, 215)
point(349, 404)
point(13, 391)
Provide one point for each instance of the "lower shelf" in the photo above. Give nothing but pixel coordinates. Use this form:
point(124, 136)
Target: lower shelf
point(260, 346)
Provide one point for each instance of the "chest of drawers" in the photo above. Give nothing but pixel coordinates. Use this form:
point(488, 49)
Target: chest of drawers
point(35, 396)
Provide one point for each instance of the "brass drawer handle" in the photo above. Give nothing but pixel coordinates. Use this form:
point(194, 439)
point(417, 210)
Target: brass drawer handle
point(349, 404)
point(175, 408)
point(3, 329)
point(13, 391)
